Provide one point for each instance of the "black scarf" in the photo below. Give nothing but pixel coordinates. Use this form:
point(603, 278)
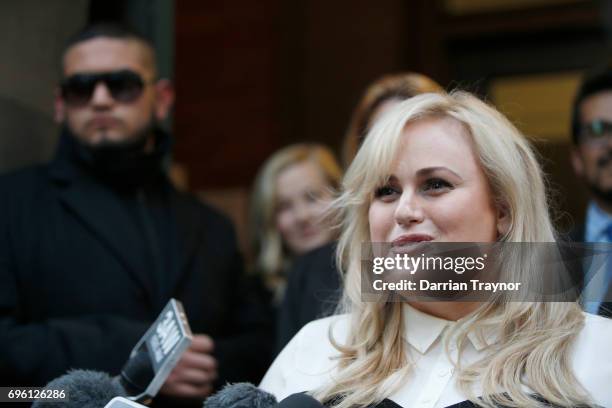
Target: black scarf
point(121, 166)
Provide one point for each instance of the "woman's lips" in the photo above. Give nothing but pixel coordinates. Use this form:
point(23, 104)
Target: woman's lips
point(310, 232)
point(409, 244)
point(410, 239)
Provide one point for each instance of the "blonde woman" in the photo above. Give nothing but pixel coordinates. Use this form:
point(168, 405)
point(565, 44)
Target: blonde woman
point(446, 168)
point(313, 286)
point(291, 193)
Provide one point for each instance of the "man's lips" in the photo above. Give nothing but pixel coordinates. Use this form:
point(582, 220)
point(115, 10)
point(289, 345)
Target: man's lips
point(103, 122)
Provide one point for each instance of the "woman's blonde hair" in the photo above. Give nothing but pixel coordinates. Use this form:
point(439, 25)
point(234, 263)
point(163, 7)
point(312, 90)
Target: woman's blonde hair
point(398, 86)
point(534, 337)
point(271, 256)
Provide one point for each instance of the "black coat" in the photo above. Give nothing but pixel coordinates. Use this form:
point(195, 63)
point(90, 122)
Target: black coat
point(76, 292)
point(313, 291)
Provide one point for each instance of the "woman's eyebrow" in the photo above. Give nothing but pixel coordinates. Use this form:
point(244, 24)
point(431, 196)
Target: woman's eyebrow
point(429, 170)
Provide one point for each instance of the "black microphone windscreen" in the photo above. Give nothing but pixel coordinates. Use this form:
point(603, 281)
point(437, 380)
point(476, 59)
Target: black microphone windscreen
point(137, 373)
point(241, 395)
point(83, 388)
point(300, 400)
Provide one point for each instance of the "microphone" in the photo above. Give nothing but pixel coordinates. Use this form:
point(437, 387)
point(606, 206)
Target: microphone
point(157, 353)
point(246, 395)
point(84, 388)
point(120, 402)
point(300, 400)
point(240, 395)
point(148, 367)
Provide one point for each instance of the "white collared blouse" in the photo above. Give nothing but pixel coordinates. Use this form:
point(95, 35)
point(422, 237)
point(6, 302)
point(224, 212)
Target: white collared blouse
point(307, 362)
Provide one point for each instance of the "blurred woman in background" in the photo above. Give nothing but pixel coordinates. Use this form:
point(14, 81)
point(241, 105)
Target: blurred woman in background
point(290, 195)
point(378, 98)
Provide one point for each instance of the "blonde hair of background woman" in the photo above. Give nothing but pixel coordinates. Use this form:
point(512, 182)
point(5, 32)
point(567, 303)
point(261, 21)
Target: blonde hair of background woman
point(535, 337)
point(271, 257)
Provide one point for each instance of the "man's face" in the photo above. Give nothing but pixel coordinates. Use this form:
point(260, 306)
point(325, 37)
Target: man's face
point(103, 118)
point(592, 157)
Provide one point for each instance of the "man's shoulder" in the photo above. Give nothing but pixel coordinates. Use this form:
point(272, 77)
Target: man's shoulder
point(25, 176)
point(23, 184)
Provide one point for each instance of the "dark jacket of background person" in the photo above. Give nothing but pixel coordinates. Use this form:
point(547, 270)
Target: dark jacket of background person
point(81, 280)
point(313, 291)
point(578, 235)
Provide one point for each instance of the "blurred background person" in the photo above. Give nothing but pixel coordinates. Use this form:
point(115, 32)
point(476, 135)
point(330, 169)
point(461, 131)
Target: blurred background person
point(314, 282)
point(290, 195)
point(97, 241)
point(379, 97)
point(592, 161)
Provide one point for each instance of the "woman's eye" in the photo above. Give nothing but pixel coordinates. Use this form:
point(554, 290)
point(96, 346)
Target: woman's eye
point(384, 191)
point(283, 206)
point(313, 196)
point(436, 184)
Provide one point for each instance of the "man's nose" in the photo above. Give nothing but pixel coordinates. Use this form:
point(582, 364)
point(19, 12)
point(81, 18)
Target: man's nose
point(409, 209)
point(101, 96)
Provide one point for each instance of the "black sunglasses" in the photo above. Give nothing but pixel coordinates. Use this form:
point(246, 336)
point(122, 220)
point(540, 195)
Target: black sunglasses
point(124, 86)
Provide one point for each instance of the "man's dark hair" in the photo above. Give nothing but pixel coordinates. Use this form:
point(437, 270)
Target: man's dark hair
point(107, 30)
point(595, 81)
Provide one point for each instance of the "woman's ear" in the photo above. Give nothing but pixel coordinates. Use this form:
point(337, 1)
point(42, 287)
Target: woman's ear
point(503, 219)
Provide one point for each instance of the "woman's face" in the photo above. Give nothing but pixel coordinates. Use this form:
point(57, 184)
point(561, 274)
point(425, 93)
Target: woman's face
point(436, 191)
point(302, 196)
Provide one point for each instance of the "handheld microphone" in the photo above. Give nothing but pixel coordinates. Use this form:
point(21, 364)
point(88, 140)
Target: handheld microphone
point(150, 363)
point(240, 395)
point(157, 353)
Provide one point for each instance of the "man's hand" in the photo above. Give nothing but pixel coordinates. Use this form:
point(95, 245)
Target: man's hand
point(195, 372)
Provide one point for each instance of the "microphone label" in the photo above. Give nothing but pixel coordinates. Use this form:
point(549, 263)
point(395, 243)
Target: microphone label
point(167, 334)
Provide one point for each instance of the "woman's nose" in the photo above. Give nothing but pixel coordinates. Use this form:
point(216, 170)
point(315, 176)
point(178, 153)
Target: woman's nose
point(409, 210)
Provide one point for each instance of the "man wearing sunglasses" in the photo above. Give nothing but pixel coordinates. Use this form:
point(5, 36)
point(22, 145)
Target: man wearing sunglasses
point(591, 157)
point(93, 245)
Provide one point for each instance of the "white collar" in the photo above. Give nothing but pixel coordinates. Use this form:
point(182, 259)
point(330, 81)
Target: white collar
point(421, 330)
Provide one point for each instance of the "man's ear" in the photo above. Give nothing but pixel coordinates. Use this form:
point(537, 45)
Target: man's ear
point(577, 163)
point(164, 98)
point(503, 219)
point(59, 106)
